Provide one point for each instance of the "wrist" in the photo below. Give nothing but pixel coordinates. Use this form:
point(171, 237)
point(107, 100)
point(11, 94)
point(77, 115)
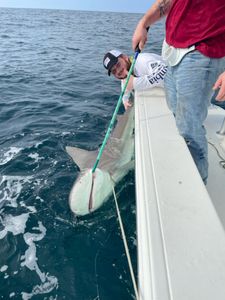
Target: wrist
point(144, 23)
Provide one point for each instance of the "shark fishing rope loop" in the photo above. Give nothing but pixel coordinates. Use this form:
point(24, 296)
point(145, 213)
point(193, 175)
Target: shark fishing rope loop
point(125, 243)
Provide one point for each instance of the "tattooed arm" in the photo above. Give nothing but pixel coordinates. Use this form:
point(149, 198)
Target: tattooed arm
point(163, 7)
point(159, 9)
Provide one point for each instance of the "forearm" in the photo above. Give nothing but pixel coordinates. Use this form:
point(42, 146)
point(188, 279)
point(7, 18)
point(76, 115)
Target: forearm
point(159, 9)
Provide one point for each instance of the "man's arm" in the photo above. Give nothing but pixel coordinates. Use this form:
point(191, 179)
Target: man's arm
point(153, 79)
point(158, 10)
point(220, 83)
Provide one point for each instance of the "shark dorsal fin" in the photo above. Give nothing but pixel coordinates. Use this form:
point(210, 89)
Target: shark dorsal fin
point(83, 158)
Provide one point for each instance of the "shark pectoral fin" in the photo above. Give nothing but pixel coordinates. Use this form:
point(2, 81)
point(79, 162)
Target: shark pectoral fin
point(84, 159)
point(120, 171)
point(125, 167)
point(129, 165)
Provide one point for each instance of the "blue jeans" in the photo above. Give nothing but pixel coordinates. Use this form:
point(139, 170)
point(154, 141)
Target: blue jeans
point(188, 88)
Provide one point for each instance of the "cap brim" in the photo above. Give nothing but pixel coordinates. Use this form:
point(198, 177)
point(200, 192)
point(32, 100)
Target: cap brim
point(112, 63)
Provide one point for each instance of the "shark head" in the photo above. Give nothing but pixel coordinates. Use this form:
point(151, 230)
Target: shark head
point(88, 191)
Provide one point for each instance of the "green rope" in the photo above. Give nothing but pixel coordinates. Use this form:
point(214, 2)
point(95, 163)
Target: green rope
point(114, 115)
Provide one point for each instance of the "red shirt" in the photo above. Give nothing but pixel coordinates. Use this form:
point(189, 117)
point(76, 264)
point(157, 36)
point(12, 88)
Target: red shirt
point(197, 22)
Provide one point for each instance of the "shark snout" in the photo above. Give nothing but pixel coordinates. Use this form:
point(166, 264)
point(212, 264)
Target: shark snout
point(89, 191)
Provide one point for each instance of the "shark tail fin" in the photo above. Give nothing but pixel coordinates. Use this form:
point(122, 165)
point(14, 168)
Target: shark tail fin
point(83, 158)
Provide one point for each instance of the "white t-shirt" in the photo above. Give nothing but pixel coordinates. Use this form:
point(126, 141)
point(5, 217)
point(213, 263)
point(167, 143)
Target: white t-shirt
point(149, 71)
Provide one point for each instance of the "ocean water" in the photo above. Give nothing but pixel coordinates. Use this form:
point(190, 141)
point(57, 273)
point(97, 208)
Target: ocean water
point(54, 92)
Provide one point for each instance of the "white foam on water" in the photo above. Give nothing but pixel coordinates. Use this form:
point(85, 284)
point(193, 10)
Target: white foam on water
point(66, 133)
point(40, 199)
point(39, 143)
point(11, 187)
point(8, 155)
point(36, 157)
point(44, 288)
point(39, 182)
point(48, 283)
point(12, 295)
point(14, 224)
point(65, 221)
point(30, 258)
point(32, 209)
point(4, 268)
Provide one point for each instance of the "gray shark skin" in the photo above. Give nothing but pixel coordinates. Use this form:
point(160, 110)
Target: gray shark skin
point(91, 190)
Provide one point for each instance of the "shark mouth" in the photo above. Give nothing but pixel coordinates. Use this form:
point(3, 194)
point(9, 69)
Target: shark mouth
point(90, 205)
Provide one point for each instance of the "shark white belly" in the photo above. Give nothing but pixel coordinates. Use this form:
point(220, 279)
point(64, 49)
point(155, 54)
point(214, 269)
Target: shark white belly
point(91, 190)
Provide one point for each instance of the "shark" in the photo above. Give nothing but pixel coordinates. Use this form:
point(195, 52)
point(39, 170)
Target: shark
point(92, 189)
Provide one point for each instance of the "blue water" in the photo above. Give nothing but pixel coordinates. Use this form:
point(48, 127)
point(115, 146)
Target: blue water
point(54, 92)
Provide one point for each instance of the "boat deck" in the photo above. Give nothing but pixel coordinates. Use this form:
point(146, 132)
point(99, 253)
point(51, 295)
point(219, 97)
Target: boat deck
point(181, 238)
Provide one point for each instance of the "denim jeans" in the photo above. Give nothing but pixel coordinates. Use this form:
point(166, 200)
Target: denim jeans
point(188, 88)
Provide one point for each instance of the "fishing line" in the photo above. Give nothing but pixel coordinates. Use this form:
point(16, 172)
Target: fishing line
point(125, 244)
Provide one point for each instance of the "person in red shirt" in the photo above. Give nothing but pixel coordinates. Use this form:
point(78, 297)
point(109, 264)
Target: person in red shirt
point(194, 49)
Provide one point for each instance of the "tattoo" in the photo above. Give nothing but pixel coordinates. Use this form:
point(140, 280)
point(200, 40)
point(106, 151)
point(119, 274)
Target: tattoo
point(164, 6)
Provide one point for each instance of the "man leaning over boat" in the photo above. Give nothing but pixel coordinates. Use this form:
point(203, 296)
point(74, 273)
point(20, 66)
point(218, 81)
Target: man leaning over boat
point(149, 71)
